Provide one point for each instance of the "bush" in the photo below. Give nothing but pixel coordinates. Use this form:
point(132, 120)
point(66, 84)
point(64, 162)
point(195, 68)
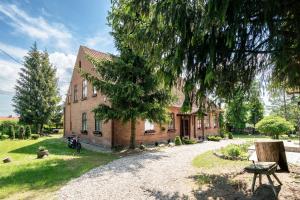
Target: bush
point(21, 132)
point(35, 136)
point(5, 126)
point(178, 141)
point(230, 135)
point(12, 132)
point(293, 136)
point(234, 151)
point(4, 137)
point(274, 126)
point(214, 138)
point(27, 131)
point(284, 137)
point(186, 140)
point(42, 148)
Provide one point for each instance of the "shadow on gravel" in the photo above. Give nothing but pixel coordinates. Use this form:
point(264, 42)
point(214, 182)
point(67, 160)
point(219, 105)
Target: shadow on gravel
point(165, 196)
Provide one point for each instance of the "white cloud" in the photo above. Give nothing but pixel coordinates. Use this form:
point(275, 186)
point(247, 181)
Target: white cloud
point(64, 64)
point(12, 50)
point(37, 27)
point(102, 41)
point(9, 74)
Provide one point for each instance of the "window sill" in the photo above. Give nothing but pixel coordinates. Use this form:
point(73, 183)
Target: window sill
point(84, 132)
point(149, 132)
point(98, 133)
point(172, 130)
point(83, 98)
point(94, 95)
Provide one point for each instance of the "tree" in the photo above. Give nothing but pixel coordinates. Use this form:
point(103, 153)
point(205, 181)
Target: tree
point(256, 108)
point(36, 90)
point(237, 112)
point(274, 126)
point(133, 89)
point(218, 45)
point(57, 116)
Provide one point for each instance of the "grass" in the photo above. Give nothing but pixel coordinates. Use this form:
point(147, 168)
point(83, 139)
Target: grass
point(30, 178)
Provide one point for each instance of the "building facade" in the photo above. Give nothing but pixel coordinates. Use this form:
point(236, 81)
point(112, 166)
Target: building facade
point(82, 98)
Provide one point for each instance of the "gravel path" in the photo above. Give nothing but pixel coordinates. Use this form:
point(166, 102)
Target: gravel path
point(165, 174)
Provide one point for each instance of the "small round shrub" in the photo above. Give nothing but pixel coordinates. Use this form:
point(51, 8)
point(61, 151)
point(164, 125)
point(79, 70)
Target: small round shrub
point(21, 132)
point(186, 140)
point(178, 141)
point(230, 135)
point(234, 151)
point(27, 131)
point(35, 136)
point(284, 137)
point(142, 147)
point(214, 138)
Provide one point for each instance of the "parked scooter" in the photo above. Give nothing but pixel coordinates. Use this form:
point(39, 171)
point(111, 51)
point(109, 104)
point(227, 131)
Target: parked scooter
point(73, 143)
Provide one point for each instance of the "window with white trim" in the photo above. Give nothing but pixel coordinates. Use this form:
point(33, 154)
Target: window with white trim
point(84, 88)
point(149, 126)
point(94, 91)
point(84, 122)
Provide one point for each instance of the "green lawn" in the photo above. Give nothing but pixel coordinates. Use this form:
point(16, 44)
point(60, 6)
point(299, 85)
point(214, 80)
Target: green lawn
point(30, 178)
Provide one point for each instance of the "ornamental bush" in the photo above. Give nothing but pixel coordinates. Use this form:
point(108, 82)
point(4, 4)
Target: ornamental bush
point(230, 135)
point(27, 131)
point(178, 141)
point(186, 140)
point(274, 126)
point(214, 138)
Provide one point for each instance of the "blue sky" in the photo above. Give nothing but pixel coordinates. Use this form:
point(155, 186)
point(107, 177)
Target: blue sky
point(58, 26)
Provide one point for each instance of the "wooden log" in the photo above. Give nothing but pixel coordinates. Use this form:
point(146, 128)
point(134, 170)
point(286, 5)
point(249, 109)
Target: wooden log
point(272, 151)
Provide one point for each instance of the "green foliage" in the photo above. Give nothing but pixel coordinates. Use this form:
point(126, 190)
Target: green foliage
point(5, 126)
point(4, 137)
point(42, 148)
point(21, 132)
point(132, 87)
point(12, 132)
point(234, 151)
point(219, 45)
point(36, 90)
point(256, 108)
point(284, 137)
point(274, 126)
point(186, 140)
point(177, 141)
point(35, 136)
point(214, 138)
point(27, 131)
point(230, 135)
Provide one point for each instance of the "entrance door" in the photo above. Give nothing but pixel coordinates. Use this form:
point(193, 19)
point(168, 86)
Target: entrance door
point(185, 127)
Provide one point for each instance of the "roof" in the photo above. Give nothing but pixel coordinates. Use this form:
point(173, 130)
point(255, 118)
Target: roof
point(95, 54)
point(9, 118)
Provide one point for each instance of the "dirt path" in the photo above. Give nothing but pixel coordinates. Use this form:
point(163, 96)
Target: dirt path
point(152, 175)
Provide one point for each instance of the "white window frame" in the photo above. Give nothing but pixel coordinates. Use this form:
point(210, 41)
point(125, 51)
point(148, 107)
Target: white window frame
point(84, 88)
point(149, 126)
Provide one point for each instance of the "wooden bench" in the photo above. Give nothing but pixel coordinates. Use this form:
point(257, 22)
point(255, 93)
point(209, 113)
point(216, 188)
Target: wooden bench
point(260, 168)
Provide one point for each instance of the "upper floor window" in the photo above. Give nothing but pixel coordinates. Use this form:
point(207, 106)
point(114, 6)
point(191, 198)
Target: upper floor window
point(84, 123)
point(149, 126)
point(215, 121)
point(171, 125)
point(79, 63)
point(84, 88)
point(207, 121)
point(98, 126)
point(75, 98)
point(94, 91)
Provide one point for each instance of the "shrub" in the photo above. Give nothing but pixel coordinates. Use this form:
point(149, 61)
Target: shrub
point(234, 151)
point(21, 132)
point(35, 136)
point(284, 137)
point(4, 137)
point(214, 138)
point(27, 131)
point(12, 132)
point(186, 140)
point(5, 126)
point(42, 148)
point(293, 136)
point(230, 135)
point(274, 126)
point(178, 141)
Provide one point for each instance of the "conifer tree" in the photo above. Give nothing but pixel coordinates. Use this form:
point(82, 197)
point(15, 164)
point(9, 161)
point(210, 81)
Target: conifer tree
point(132, 88)
point(36, 90)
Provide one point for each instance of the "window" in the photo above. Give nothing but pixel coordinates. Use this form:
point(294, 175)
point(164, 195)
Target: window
point(171, 125)
point(79, 63)
point(75, 94)
point(69, 98)
point(84, 89)
point(98, 126)
point(94, 91)
point(215, 121)
point(207, 121)
point(199, 123)
point(149, 127)
point(84, 123)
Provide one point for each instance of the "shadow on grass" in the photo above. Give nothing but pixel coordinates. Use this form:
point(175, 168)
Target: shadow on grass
point(224, 187)
point(56, 146)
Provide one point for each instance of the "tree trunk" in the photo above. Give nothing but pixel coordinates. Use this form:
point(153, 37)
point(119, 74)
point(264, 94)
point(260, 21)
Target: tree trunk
point(132, 136)
point(272, 151)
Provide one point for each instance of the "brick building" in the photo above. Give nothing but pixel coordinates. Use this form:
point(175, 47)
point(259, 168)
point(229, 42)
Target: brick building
point(82, 98)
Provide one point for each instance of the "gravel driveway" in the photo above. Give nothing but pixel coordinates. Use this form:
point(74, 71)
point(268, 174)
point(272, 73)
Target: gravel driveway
point(165, 174)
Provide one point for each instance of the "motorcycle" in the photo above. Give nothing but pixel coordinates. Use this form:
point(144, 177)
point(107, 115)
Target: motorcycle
point(73, 143)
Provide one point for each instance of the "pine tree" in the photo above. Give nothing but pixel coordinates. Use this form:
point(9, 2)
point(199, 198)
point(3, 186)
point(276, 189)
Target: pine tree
point(36, 90)
point(132, 88)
